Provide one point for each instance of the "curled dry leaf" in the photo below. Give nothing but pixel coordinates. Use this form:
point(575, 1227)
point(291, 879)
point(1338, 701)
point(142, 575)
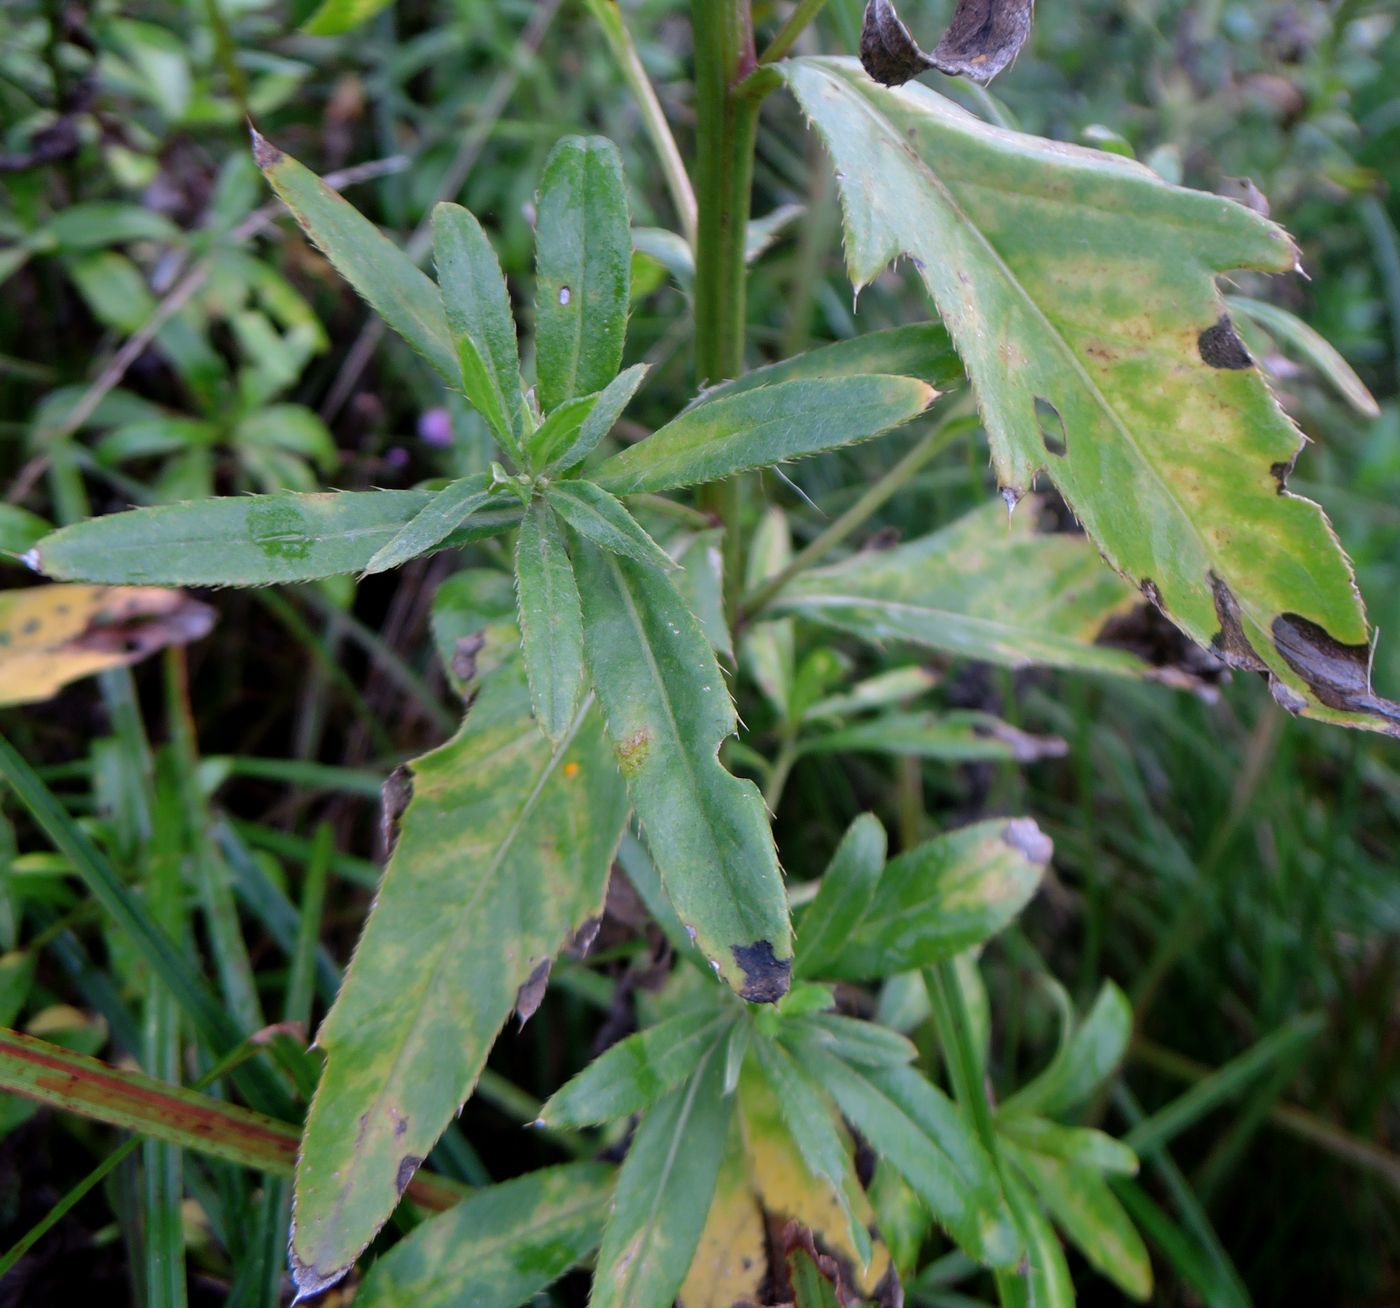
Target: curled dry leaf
point(983, 38)
point(51, 635)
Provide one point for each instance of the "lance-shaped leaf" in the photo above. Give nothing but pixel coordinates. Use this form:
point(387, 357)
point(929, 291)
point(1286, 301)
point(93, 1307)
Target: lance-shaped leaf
point(668, 711)
point(731, 1259)
point(664, 1192)
point(477, 306)
point(503, 850)
point(812, 1122)
point(395, 287)
point(1085, 1209)
point(243, 540)
point(1088, 1054)
point(434, 523)
point(559, 446)
point(551, 624)
point(583, 260)
point(756, 428)
point(863, 1044)
point(1071, 1144)
point(943, 897)
point(601, 517)
point(500, 1247)
point(637, 1071)
point(844, 894)
point(983, 588)
point(1080, 291)
point(958, 735)
point(916, 1129)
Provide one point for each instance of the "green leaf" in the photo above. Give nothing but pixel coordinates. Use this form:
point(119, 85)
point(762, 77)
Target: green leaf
point(1085, 1209)
point(504, 849)
point(846, 890)
point(717, 438)
point(1048, 1282)
point(864, 1044)
point(637, 1071)
point(551, 624)
point(916, 1129)
point(942, 897)
point(812, 1122)
point(1071, 1144)
point(583, 258)
point(923, 350)
point(984, 588)
point(500, 1247)
point(396, 289)
point(249, 540)
point(814, 1277)
point(561, 428)
point(700, 579)
point(1087, 1057)
point(19, 531)
point(552, 452)
point(336, 16)
point(477, 306)
point(1080, 291)
point(668, 711)
point(664, 1192)
point(601, 517)
point(434, 523)
point(957, 735)
point(99, 223)
point(769, 649)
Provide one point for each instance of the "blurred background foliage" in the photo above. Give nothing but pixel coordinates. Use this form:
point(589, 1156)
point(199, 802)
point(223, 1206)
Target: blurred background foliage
point(166, 334)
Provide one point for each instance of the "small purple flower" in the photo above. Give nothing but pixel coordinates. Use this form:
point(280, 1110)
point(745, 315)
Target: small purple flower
point(435, 427)
point(396, 457)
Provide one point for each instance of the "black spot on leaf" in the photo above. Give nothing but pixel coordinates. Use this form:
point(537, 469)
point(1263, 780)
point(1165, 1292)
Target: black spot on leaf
point(765, 975)
point(1339, 675)
point(1052, 427)
point(1281, 473)
point(1221, 347)
point(1230, 642)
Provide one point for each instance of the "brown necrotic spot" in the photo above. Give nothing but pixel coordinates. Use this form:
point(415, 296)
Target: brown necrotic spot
point(1339, 675)
point(1052, 427)
point(408, 1164)
point(1221, 347)
point(1230, 642)
point(766, 976)
point(531, 995)
point(396, 794)
point(265, 154)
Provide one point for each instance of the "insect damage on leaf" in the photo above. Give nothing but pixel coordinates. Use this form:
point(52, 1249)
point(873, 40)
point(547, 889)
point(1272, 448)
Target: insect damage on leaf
point(1052, 427)
point(766, 976)
point(983, 38)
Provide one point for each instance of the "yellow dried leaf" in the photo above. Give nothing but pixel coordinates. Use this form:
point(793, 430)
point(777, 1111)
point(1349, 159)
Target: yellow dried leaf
point(731, 1259)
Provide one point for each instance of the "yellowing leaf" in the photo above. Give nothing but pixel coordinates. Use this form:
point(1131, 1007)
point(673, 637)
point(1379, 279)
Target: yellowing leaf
point(731, 1260)
point(1079, 289)
point(51, 635)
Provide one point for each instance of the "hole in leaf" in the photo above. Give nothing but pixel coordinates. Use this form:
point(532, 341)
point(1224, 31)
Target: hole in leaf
point(1052, 427)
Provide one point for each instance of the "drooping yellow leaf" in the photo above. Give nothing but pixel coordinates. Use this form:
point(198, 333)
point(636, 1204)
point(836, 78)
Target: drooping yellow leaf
point(731, 1261)
point(51, 635)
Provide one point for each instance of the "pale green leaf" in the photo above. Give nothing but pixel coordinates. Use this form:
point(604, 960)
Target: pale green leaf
point(1079, 289)
point(700, 580)
point(552, 453)
point(1088, 1055)
point(1048, 1283)
point(942, 897)
point(551, 624)
point(603, 519)
point(956, 735)
point(434, 523)
point(248, 540)
point(498, 1248)
point(769, 648)
point(403, 295)
point(504, 849)
point(637, 1071)
point(477, 306)
point(1085, 1209)
point(668, 711)
point(336, 16)
point(864, 1044)
point(664, 1192)
point(984, 588)
point(1071, 1144)
point(844, 894)
point(583, 259)
point(771, 424)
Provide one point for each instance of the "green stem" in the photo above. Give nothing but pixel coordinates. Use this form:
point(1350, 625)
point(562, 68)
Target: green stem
point(796, 24)
point(726, 131)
